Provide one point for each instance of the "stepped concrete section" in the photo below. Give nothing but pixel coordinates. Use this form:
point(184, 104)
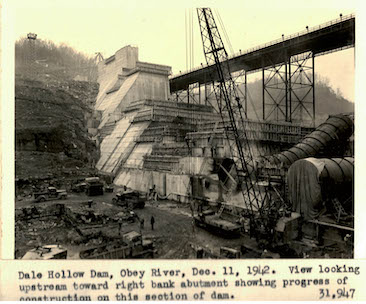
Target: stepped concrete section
point(123, 79)
point(124, 82)
point(124, 147)
point(110, 143)
point(147, 140)
point(136, 158)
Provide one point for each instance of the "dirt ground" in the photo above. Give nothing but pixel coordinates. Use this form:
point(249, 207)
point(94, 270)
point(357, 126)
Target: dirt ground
point(174, 233)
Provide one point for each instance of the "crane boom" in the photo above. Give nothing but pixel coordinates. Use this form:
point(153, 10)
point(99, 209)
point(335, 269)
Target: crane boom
point(232, 113)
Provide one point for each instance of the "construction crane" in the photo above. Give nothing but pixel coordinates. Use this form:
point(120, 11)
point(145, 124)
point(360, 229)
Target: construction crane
point(258, 206)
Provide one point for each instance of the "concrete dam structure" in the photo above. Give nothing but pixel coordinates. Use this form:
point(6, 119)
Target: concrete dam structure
point(148, 139)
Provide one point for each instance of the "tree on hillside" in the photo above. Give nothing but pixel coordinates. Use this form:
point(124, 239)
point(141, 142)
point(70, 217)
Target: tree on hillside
point(54, 56)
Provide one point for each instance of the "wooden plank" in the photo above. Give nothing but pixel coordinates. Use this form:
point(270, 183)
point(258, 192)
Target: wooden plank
point(332, 225)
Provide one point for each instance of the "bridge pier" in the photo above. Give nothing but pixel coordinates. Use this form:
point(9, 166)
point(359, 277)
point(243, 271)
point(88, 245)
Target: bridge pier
point(275, 88)
point(302, 88)
point(288, 89)
point(288, 92)
point(196, 93)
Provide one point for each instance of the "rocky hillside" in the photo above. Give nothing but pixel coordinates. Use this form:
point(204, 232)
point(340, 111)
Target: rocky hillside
point(46, 60)
point(53, 112)
point(51, 128)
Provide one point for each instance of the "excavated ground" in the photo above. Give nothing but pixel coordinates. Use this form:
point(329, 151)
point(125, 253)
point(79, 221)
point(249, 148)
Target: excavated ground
point(51, 128)
point(173, 230)
point(173, 234)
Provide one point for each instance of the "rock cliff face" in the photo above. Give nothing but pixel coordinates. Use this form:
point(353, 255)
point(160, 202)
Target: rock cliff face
point(52, 120)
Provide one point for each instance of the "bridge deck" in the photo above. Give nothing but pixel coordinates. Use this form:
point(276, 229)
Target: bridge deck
point(334, 35)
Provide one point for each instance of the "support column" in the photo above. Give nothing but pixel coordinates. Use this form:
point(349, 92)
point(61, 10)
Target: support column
point(289, 90)
point(193, 93)
point(188, 94)
point(275, 87)
point(301, 89)
point(199, 93)
point(246, 95)
point(286, 88)
point(263, 95)
point(313, 72)
point(205, 94)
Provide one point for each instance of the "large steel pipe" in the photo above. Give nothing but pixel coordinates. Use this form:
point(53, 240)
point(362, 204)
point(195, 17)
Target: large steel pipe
point(336, 128)
point(313, 183)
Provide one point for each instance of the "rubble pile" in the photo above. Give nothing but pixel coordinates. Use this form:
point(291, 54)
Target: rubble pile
point(57, 223)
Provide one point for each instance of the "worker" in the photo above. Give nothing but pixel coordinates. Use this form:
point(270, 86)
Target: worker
point(200, 208)
point(142, 222)
point(191, 207)
point(123, 190)
point(152, 193)
point(119, 226)
point(152, 221)
point(242, 223)
point(199, 253)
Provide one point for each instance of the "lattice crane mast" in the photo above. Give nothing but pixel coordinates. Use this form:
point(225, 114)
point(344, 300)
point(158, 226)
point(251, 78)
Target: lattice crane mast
point(232, 114)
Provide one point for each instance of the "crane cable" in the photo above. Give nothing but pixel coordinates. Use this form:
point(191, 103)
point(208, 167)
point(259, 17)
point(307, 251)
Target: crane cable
point(232, 51)
point(186, 36)
point(189, 39)
point(192, 56)
point(224, 31)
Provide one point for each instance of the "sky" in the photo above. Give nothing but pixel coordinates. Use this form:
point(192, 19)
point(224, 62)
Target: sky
point(159, 28)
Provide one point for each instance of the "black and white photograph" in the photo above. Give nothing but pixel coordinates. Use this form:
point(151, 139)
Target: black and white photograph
point(146, 130)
